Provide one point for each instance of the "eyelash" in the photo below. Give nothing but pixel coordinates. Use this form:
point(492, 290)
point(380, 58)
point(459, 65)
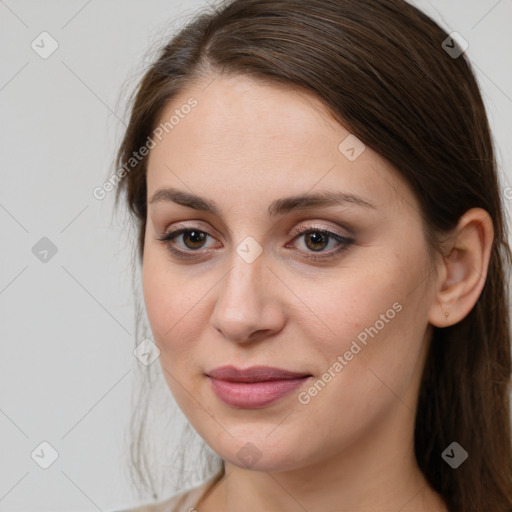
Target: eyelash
point(168, 238)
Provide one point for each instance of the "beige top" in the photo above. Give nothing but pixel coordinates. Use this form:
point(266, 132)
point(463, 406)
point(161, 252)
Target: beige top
point(184, 501)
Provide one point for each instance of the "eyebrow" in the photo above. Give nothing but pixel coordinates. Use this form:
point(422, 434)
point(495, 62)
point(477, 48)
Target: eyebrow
point(278, 207)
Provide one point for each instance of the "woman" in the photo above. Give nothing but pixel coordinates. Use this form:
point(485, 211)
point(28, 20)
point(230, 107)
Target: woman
point(324, 258)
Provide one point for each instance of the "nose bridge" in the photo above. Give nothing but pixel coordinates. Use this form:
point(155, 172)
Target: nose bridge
point(244, 302)
point(243, 282)
point(247, 264)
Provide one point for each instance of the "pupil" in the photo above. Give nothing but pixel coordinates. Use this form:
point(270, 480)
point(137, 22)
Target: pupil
point(318, 238)
point(197, 238)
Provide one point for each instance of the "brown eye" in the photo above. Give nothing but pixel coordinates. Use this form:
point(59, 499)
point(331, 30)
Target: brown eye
point(194, 239)
point(322, 241)
point(316, 241)
point(186, 240)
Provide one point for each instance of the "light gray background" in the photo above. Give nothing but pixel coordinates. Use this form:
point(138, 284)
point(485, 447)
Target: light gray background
point(67, 326)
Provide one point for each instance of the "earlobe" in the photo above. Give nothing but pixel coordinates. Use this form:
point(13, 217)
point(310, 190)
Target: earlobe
point(465, 266)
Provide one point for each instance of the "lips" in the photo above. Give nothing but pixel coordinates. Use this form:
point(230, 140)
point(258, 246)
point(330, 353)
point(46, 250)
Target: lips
point(253, 374)
point(254, 387)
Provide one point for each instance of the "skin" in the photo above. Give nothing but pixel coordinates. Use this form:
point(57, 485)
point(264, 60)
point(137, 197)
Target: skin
point(245, 144)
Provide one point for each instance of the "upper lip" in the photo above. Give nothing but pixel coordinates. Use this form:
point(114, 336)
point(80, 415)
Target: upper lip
point(253, 374)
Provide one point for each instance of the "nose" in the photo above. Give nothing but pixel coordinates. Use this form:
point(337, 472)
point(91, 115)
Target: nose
point(247, 306)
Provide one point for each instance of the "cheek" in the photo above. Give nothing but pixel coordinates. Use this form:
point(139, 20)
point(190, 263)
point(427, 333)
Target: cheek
point(378, 336)
point(169, 303)
point(376, 316)
point(348, 306)
point(175, 314)
point(177, 308)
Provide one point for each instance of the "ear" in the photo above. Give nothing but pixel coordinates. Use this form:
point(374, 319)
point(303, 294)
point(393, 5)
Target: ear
point(463, 269)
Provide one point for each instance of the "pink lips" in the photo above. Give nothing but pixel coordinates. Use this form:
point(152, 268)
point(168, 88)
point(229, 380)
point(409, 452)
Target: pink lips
point(253, 387)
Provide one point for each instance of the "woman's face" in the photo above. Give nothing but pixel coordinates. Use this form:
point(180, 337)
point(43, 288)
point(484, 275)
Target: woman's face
point(255, 282)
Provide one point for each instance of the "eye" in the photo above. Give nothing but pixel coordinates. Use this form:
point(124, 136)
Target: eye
point(316, 240)
point(192, 239)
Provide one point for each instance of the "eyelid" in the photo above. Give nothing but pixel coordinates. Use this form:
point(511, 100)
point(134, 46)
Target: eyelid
point(343, 242)
point(179, 229)
point(301, 229)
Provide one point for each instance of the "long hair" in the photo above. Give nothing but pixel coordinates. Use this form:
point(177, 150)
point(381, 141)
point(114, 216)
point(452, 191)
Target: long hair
point(383, 69)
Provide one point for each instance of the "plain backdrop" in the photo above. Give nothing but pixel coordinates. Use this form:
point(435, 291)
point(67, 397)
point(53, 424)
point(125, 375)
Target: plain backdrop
point(67, 370)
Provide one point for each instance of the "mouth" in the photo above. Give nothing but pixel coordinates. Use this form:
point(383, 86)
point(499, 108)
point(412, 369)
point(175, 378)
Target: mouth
point(254, 387)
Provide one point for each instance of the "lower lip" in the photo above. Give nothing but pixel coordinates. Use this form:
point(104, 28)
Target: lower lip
point(252, 395)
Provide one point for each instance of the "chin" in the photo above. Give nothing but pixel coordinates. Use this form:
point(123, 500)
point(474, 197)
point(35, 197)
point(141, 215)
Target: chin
point(257, 453)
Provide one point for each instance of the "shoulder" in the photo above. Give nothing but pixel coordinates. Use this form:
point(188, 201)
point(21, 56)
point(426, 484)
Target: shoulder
point(183, 501)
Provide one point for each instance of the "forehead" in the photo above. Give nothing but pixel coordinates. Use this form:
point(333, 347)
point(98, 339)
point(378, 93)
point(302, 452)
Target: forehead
point(263, 140)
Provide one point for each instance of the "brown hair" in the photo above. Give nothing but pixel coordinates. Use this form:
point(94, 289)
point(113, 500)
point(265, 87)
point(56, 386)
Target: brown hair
point(380, 68)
